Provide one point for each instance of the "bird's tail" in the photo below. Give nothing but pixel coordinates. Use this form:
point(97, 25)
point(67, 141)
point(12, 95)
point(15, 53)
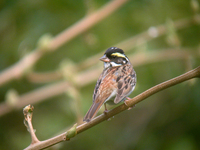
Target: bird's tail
point(92, 111)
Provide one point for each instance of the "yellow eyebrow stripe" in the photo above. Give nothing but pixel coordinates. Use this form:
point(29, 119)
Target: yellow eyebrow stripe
point(118, 55)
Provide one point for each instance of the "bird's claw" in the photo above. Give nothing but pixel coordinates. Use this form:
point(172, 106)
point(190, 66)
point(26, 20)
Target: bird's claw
point(105, 111)
point(127, 99)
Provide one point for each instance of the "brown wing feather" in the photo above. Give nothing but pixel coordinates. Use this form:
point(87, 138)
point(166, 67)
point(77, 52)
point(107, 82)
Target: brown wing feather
point(122, 78)
point(104, 87)
point(126, 82)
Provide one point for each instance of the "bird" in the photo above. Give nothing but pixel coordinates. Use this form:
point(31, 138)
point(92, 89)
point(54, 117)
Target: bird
point(117, 80)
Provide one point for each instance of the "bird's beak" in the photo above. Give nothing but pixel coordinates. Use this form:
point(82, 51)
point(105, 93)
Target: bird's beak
point(105, 59)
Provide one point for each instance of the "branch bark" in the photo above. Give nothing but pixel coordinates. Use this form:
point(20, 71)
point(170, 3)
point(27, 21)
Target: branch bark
point(195, 73)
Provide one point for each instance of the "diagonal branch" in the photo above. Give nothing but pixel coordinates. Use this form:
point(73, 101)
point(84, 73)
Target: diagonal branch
point(195, 73)
point(85, 23)
point(18, 69)
point(35, 96)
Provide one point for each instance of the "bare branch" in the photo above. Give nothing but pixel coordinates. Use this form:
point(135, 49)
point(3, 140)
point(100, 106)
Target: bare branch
point(85, 23)
point(195, 73)
point(35, 96)
point(17, 70)
point(44, 77)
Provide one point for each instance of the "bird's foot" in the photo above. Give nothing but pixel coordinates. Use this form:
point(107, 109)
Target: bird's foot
point(127, 99)
point(105, 111)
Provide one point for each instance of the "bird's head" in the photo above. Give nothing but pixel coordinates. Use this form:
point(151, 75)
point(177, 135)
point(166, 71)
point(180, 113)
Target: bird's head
point(114, 57)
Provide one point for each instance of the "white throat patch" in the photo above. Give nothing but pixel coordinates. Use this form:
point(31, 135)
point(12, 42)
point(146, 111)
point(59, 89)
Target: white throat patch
point(111, 64)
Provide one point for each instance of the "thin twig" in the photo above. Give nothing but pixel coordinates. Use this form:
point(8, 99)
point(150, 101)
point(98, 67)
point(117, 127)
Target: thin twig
point(28, 114)
point(195, 73)
point(18, 69)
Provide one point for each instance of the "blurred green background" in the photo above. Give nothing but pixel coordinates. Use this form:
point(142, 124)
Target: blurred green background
point(168, 120)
